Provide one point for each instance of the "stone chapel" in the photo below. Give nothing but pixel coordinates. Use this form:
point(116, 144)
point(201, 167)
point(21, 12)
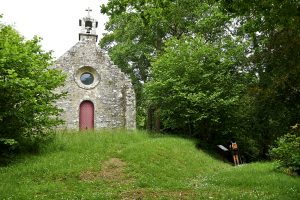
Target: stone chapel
point(99, 95)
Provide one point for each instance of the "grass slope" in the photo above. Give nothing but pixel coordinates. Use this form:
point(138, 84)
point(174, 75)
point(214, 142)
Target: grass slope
point(137, 165)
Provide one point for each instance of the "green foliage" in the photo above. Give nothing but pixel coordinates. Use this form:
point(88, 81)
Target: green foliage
point(272, 26)
point(287, 151)
point(27, 108)
point(250, 46)
point(138, 30)
point(7, 147)
point(196, 86)
point(146, 166)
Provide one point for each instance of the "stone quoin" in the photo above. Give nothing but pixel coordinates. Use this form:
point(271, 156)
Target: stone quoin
point(99, 95)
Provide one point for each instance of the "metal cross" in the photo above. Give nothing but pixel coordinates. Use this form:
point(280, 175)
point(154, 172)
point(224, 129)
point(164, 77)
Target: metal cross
point(88, 10)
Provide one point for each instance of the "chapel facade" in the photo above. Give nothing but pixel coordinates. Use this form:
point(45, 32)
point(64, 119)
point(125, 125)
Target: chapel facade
point(99, 95)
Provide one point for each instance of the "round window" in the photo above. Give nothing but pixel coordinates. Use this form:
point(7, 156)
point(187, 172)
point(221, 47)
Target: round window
point(87, 78)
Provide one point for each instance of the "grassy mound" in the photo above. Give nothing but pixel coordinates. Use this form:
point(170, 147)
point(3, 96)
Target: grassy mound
point(136, 165)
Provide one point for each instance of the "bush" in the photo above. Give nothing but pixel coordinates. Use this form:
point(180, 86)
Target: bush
point(27, 97)
point(7, 147)
point(248, 148)
point(286, 152)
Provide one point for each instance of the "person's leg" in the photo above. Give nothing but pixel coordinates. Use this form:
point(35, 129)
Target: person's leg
point(234, 162)
point(237, 160)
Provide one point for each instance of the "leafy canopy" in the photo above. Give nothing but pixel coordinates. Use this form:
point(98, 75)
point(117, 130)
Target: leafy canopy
point(195, 85)
point(27, 96)
point(138, 31)
point(273, 28)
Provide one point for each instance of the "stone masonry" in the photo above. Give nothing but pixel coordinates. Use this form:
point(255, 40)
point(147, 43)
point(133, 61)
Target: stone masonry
point(93, 78)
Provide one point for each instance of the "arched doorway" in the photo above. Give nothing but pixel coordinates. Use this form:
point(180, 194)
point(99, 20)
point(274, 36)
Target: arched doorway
point(86, 115)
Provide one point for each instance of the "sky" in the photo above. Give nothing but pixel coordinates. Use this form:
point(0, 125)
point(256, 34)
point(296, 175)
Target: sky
point(55, 21)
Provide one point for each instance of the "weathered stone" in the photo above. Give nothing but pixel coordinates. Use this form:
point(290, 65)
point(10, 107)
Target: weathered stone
point(110, 92)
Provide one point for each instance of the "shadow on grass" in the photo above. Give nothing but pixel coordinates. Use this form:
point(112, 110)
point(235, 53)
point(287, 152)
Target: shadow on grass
point(214, 151)
point(211, 149)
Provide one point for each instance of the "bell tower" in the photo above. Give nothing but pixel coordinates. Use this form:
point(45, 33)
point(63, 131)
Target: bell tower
point(88, 27)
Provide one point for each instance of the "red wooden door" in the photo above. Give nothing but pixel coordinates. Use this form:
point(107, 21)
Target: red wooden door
point(86, 115)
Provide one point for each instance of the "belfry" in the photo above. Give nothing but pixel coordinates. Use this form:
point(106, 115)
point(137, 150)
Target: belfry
point(99, 95)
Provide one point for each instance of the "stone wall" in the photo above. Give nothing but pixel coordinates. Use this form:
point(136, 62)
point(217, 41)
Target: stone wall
point(111, 92)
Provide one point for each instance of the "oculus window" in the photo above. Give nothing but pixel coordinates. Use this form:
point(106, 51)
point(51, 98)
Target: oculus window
point(87, 78)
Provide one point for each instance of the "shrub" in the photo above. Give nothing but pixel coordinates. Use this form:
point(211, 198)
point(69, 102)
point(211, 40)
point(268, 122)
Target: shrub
point(7, 146)
point(287, 151)
point(27, 97)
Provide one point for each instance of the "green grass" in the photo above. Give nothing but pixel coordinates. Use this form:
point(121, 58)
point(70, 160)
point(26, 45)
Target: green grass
point(137, 165)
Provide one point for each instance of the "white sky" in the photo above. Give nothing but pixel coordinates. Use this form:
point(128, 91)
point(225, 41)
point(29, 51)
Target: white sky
point(56, 21)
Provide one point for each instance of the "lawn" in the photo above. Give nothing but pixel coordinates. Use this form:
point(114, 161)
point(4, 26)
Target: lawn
point(137, 165)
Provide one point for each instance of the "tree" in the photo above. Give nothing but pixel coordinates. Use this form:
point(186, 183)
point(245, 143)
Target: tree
point(27, 96)
point(196, 86)
point(138, 30)
point(273, 28)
